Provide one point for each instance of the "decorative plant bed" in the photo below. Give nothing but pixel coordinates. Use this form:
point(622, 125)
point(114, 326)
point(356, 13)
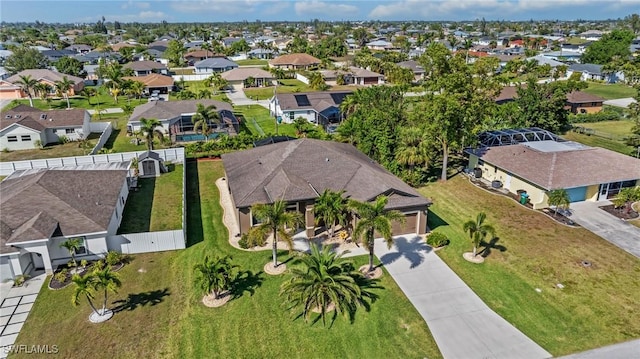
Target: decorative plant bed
point(559, 217)
point(624, 213)
point(55, 284)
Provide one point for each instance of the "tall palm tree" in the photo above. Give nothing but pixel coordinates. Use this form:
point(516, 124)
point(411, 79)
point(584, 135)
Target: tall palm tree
point(72, 245)
point(149, 127)
point(63, 87)
point(412, 149)
point(275, 220)
point(83, 287)
point(214, 275)
point(326, 280)
point(331, 208)
point(27, 83)
point(372, 217)
point(105, 279)
point(478, 230)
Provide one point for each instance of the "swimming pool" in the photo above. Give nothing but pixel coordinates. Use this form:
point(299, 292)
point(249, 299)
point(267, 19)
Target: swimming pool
point(195, 137)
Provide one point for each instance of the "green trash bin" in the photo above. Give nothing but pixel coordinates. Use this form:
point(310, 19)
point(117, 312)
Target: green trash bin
point(524, 198)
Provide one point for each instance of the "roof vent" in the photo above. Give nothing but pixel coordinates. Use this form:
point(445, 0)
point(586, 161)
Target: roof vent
point(17, 116)
point(43, 116)
point(326, 159)
point(7, 116)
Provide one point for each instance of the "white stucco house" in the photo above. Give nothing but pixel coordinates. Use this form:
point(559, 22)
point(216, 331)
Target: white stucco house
point(24, 127)
point(42, 208)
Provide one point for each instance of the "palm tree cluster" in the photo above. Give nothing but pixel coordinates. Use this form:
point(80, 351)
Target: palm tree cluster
point(87, 285)
point(325, 281)
point(214, 275)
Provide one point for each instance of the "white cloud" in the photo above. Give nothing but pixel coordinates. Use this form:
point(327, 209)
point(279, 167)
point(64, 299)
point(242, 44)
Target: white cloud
point(321, 8)
point(136, 4)
point(276, 8)
point(225, 7)
point(470, 9)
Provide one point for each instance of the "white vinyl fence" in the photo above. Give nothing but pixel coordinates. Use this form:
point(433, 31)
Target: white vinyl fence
point(106, 128)
point(194, 77)
point(147, 242)
point(175, 155)
point(302, 78)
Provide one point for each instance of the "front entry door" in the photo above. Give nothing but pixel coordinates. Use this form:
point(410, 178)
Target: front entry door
point(604, 189)
point(38, 263)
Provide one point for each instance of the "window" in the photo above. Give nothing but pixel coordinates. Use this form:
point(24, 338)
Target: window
point(12, 138)
point(82, 250)
point(69, 131)
point(25, 138)
point(122, 199)
point(292, 115)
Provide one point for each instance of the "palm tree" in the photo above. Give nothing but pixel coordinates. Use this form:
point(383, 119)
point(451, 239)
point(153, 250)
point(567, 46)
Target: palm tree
point(214, 275)
point(42, 89)
point(105, 279)
point(478, 230)
point(62, 88)
point(372, 217)
point(88, 92)
point(412, 149)
point(331, 208)
point(72, 245)
point(83, 287)
point(559, 198)
point(27, 83)
point(275, 219)
point(324, 281)
point(203, 117)
point(149, 127)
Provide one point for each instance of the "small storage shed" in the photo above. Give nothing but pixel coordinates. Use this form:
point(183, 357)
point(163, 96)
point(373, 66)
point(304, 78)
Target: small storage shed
point(150, 165)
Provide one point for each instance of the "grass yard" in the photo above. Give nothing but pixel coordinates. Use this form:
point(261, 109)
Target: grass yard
point(598, 305)
point(620, 128)
point(102, 101)
point(164, 317)
point(597, 141)
point(156, 206)
point(289, 86)
point(68, 149)
point(262, 117)
point(610, 91)
point(252, 62)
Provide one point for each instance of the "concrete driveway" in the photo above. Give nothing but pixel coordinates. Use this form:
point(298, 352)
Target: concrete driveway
point(620, 233)
point(238, 98)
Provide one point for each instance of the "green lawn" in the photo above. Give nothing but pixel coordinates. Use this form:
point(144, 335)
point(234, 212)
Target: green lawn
point(598, 305)
point(248, 62)
point(264, 120)
point(610, 91)
point(288, 86)
point(68, 149)
point(620, 128)
point(165, 318)
point(156, 206)
point(597, 141)
point(102, 101)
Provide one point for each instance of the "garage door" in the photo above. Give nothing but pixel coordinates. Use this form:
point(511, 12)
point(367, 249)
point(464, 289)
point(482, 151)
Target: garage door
point(408, 227)
point(577, 194)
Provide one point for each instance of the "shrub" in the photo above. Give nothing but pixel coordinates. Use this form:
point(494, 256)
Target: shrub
point(63, 139)
point(112, 258)
point(61, 276)
point(38, 144)
point(71, 264)
point(84, 263)
point(19, 280)
point(594, 117)
point(437, 239)
point(251, 239)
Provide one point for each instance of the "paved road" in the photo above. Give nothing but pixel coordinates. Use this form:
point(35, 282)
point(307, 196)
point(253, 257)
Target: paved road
point(626, 350)
point(622, 234)
point(15, 305)
point(620, 102)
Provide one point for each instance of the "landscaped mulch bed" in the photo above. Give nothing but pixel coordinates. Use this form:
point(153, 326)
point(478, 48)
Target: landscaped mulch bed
point(625, 213)
point(54, 284)
point(559, 217)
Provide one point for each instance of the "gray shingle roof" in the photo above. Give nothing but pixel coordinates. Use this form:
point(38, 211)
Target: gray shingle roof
point(317, 100)
point(37, 204)
point(33, 118)
point(216, 63)
point(301, 169)
point(590, 68)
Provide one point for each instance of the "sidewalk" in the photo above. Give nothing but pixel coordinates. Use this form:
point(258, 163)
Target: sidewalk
point(105, 111)
point(630, 349)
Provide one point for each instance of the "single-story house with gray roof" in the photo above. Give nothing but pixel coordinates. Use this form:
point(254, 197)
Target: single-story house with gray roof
point(214, 64)
point(42, 208)
point(175, 116)
point(299, 171)
point(538, 166)
point(316, 107)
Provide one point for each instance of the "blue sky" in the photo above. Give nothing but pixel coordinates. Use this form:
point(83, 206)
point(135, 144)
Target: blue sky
point(266, 10)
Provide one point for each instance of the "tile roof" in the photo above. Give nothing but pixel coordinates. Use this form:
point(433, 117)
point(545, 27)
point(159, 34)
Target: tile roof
point(44, 74)
point(165, 110)
point(242, 73)
point(73, 202)
point(301, 169)
point(38, 119)
point(152, 80)
point(298, 59)
point(568, 168)
point(145, 65)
